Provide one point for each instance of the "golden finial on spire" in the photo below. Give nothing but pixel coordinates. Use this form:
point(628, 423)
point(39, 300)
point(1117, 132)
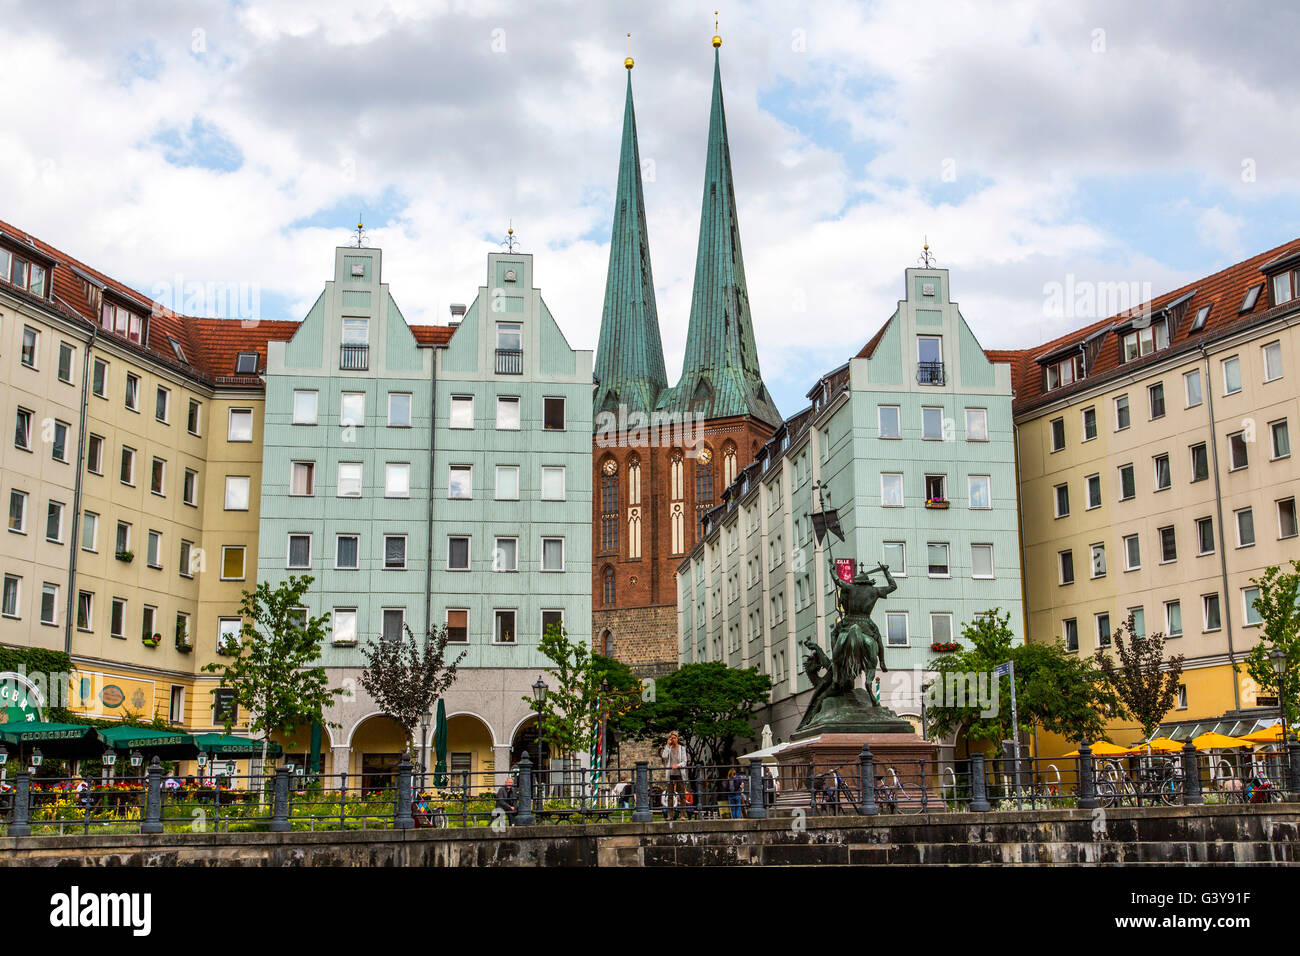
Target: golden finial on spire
point(717, 40)
point(926, 259)
point(629, 62)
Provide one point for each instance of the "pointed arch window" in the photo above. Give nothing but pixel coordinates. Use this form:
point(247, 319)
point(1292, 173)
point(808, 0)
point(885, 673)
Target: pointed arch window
point(609, 506)
point(728, 465)
point(634, 482)
point(703, 486)
point(677, 480)
point(609, 589)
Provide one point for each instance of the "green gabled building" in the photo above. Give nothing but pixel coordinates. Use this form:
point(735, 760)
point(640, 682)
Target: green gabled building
point(428, 476)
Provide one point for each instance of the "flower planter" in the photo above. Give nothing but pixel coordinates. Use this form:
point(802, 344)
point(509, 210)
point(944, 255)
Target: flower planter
point(940, 648)
point(153, 641)
point(937, 504)
point(126, 556)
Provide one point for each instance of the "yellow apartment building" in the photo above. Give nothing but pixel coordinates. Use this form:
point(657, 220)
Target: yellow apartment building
point(1156, 477)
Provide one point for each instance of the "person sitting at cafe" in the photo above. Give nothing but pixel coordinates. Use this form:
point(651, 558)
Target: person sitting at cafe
point(508, 793)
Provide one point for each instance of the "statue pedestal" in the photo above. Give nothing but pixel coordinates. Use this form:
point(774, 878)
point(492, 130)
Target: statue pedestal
point(915, 761)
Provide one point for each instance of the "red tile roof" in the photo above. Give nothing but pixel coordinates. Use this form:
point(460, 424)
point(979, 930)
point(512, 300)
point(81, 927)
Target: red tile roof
point(1224, 292)
point(211, 345)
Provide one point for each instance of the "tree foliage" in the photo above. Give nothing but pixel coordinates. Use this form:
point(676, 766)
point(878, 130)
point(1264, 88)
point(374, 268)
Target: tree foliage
point(1055, 690)
point(709, 704)
point(623, 721)
point(1278, 605)
point(275, 672)
point(568, 715)
point(405, 678)
point(1143, 681)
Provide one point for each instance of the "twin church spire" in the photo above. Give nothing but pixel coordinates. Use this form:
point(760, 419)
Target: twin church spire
point(720, 373)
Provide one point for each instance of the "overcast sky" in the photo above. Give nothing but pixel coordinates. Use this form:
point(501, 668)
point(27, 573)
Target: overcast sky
point(236, 142)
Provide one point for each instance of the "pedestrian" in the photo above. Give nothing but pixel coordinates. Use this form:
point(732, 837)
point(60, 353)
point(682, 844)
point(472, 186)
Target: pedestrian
point(735, 795)
point(508, 794)
point(770, 786)
point(673, 757)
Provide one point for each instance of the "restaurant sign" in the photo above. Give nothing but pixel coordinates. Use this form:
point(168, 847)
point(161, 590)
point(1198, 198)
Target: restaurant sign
point(20, 700)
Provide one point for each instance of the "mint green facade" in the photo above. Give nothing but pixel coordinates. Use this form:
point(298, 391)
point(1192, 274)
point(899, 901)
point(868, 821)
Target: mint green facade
point(355, 342)
point(758, 584)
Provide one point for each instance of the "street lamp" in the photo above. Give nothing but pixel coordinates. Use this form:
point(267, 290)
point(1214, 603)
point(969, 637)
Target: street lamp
point(37, 757)
point(539, 698)
point(202, 760)
point(424, 747)
point(1278, 657)
point(137, 759)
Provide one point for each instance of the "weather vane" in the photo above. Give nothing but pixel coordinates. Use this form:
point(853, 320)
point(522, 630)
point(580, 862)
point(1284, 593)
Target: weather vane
point(629, 62)
point(511, 241)
point(927, 257)
point(361, 238)
point(717, 40)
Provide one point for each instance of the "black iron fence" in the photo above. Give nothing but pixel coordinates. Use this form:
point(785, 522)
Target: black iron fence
point(282, 800)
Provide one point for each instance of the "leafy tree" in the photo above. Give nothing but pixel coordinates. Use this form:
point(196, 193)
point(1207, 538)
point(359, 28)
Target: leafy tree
point(568, 713)
point(1144, 683)
point(624, 721)
point(1279, 592)
point(1055, 690)
point(406, 678)
point(276, 673)
point(709, 704)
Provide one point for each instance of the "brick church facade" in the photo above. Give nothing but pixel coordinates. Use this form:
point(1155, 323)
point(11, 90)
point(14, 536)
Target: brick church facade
point(662, 454)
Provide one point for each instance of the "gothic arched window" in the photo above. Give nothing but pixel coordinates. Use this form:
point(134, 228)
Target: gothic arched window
point(609, 587)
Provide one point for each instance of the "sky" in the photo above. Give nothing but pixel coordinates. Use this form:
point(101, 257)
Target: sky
point(1034, 146)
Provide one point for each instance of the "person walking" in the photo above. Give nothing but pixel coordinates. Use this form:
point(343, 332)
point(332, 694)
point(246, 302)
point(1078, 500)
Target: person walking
point(735, 793)
point(673, 757)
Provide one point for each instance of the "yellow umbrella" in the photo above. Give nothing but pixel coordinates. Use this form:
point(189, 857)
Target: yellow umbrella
point(1103, 748)
point(1269, 735)
point(1162, 745)
point(1212, 741)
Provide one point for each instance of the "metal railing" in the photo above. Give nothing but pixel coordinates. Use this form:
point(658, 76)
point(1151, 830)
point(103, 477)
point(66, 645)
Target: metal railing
point(354, 358)
point(510, 362)
point(930, 373)
point(408, 798)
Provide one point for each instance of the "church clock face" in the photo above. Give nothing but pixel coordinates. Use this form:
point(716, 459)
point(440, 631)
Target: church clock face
point(706, 456)
point(610, 467)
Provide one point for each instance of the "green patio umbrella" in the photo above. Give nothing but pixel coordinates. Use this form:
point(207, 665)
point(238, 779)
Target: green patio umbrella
point(164, 744)
point(233, 747)
point(440, 746)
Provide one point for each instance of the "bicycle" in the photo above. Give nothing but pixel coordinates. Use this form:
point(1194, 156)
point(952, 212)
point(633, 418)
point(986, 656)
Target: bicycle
point(893, 797)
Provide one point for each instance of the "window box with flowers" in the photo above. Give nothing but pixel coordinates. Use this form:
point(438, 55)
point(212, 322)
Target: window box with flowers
point(127, 556)
point(944, 647)
point(183, 643)
point(940, 504)
point(151, 640)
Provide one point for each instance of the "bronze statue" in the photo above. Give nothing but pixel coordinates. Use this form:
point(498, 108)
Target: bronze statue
point(856, 648)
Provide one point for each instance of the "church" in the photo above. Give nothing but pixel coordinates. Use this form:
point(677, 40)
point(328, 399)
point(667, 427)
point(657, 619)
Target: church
point(663, 454)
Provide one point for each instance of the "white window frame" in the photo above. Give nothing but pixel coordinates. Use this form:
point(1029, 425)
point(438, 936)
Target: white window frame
point(338, 536)
point(902, 490)
point(238, 414)
point(468, 469)
point(311, 474)
point(980, 413)
point(970, 492)
point(360, 480)
point(234, 547)
point(406, 563)
point(496, 554)
point(901, 571)
point(314, 395)
point(401, 468)
point(1205, 613)
point(1129, 564)
point(517, 402)
point(451, 412)
point(880, 418)
point(496, 482)
point(992, 565)
point(410, 409)
point(288, 550)
point(469, 552)
point(1276, 345)
point(248, 492)
point(344, 396)
point(907, 628)
point(542, 557)
point(560, 469)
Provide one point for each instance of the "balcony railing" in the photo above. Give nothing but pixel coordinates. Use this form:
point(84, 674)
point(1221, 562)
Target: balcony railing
point(510, 362)
point(929, 373)
point(354, 358)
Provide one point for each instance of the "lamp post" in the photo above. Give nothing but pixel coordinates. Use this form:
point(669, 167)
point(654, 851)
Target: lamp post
point(37, 759)
point(108, 760)
point(604, 725)
point(4, 759)
point(1278, 657)
point(424, 747)
point(539, 698)
point(202, 761)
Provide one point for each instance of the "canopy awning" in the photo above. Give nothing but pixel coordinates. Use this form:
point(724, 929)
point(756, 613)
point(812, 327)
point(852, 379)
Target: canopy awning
point(55, 740)
point(150, 741)
point(229, 745)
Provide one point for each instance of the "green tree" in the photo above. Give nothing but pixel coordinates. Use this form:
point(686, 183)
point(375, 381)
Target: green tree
point(709, 704)
point(625, 721)
point(1144, 683)
point(569, 711)
point(406, 678)
point(1055, 690)
point(1278, 605)
point(275, 672)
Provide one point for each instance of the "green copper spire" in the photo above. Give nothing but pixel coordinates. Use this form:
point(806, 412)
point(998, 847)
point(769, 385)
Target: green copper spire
point(720, 374)
point(630, 355)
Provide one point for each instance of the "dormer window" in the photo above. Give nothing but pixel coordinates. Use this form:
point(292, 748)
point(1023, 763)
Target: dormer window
point(246, 363)
point(176, 349)
point(122, 321)
point(1064, 372)
point(1140, 342)
point(1252, 296)
point(1202, 314)
point(24, 274)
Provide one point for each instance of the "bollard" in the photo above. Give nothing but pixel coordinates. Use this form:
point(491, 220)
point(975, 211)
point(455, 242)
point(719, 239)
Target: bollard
point(867, 783)
point(403, 820)
point(757, 799)
point(1087, 778)
point(1191, 776)
point(979, 794)
point(1292, 778)
point(22, 818)
point(699, 773)
point(524, 815)
point(280, 801)
point(152, 822)
point(642, 812)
